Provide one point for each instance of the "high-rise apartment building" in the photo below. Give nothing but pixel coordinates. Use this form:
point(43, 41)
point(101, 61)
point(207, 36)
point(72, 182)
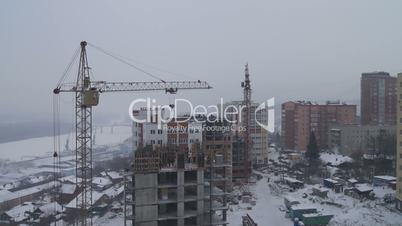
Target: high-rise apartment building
point(378, 99)
point(259, 136)
point(300, 118)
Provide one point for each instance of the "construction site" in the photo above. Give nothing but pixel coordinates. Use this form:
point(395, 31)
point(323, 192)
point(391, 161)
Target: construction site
point(176, 177)
point(201, 113)
point(168, 188)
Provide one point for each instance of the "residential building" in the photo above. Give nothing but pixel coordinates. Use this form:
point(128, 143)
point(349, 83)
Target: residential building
point(300, 118)
point(259, 136)
point(238, 148)
point(182, 131)
point(349, 139)
point(378, 98)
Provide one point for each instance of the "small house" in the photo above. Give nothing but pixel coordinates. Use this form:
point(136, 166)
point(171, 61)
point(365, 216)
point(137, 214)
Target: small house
point(293, 183)
point(363, 190)
point(19, 214)
point(320, 191)
point(383, 181)
point(290, 201)
point(352, 182)
point(68, 192)
point(333, 184)
point(298, 210)
point(115, 176)
point(101, 183)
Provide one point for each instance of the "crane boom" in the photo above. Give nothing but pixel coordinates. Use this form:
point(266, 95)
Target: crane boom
point(103, 86)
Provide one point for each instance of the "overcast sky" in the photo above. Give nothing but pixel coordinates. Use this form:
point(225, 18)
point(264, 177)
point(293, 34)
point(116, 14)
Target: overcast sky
point(306, 49)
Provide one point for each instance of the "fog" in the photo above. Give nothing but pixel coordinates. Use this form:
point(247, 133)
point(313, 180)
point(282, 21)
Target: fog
point(313, 50)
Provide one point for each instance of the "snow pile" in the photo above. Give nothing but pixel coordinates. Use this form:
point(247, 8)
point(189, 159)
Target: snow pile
point(334, 159)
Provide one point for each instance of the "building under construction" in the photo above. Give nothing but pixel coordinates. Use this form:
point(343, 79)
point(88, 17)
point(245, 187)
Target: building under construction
point(170, 188)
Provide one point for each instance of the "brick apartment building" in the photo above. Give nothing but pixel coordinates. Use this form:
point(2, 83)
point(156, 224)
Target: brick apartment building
point(378, 98)
point(300, 118)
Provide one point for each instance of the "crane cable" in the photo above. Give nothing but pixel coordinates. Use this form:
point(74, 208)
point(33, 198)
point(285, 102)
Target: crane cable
point(126, 62)
point(153, 67)
point(56, 153)
point(68, 67)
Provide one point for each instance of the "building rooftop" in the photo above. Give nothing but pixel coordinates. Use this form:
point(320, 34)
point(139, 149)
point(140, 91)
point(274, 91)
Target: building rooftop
point(385, 177)
point(376, 74)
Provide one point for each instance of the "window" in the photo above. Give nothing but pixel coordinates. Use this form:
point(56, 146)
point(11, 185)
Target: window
point(160, 131)
point(159, 141)
point(152, 141)
point(152, 131)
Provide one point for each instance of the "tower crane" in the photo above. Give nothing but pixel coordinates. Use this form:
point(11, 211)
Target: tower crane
point(87, 96)
point(246, 85)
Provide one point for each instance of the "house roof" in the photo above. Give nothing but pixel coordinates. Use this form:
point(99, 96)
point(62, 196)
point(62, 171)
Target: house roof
point(35, 189)
point(101, 181)
point(95, 197)
point(18, 213)
point(50, 208)
point(113, 191)
point(114, 175)
point(385, 177)
point(363, 188)
point(68, 188)
point(6, 195)
point(352, 180)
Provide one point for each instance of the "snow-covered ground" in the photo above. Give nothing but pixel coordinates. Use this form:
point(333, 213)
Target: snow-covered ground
point(18, 166)
point(268, 210)
point(265, 212)
point(43, 146)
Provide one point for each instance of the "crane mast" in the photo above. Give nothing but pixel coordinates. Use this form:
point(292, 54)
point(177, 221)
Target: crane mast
point(83, 139)
point(247, 117)
point(87, 96)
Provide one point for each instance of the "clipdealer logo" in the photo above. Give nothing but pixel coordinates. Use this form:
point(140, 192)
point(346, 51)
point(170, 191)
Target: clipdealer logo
point(264, 114)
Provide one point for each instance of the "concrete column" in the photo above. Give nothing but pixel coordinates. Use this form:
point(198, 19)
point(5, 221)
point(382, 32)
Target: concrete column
point(180, 197)
point(200, 196)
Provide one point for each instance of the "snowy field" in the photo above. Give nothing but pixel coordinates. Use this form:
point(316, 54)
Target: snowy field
point(269, 208)
point(41, 147)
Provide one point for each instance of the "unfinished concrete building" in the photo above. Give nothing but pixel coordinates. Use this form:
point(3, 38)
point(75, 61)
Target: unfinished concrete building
point(170, 189)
